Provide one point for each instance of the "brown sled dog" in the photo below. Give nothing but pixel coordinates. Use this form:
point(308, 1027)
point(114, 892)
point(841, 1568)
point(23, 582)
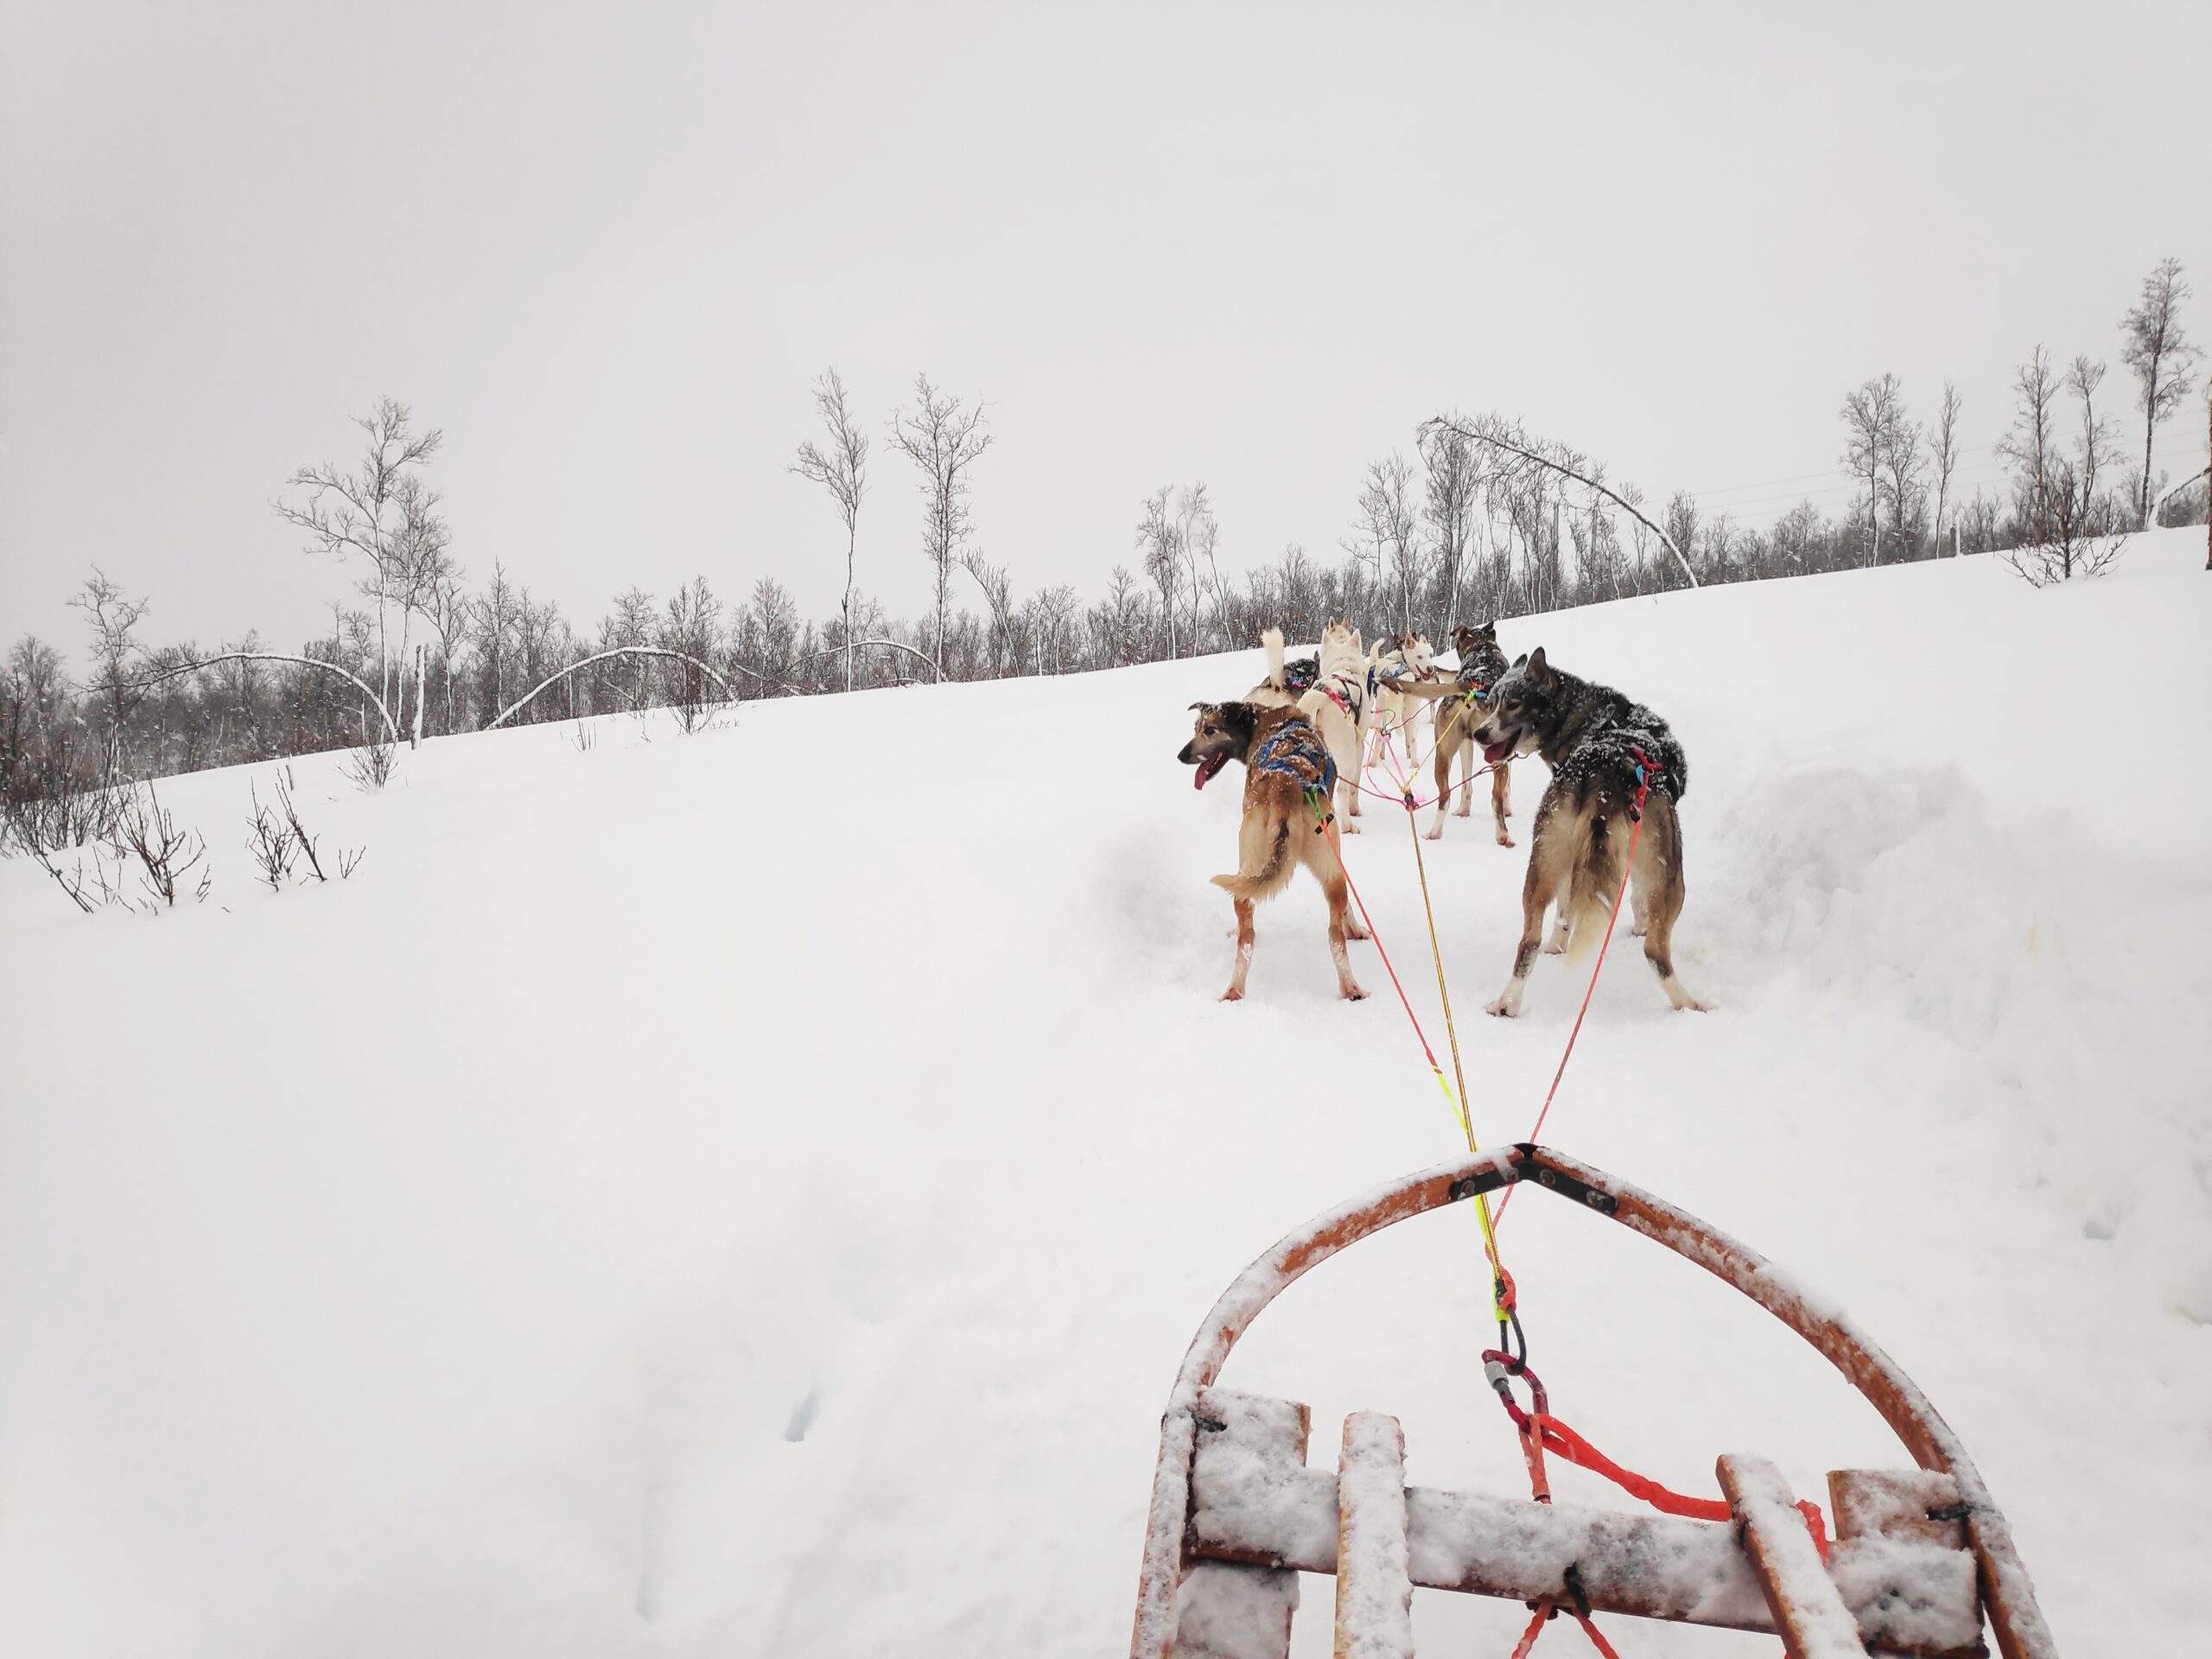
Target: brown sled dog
point(1605, 753)
point(1458, 708)
point(1288, 776)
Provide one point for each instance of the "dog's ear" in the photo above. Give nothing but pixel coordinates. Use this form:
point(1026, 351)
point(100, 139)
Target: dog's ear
point(1488, 631)
point(1539, 669)
point(1520, 660)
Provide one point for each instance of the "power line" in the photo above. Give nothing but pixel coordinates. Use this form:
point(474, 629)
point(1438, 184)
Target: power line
point(2169, 459)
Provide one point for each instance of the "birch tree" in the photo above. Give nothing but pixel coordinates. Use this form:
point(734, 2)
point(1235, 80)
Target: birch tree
point(383, 512)
point(840, 466)
point(943, 438)
point(1872, 416)
point(1944, 447)
point(2160, 356)
point(1159, 538)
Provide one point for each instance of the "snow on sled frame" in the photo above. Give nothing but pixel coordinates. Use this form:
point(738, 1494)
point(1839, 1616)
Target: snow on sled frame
point(1236, 1514)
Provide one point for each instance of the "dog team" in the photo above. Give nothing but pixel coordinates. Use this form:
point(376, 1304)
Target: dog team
point(1306, 732)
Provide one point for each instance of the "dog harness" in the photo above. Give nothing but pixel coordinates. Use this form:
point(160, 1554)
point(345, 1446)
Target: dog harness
point(1348, 696)
point(1299, 675)
point(1295, 750)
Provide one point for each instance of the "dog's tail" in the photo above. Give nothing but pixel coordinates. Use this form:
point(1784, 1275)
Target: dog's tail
point(1600, 863)
point(1272, 640)
point(1263, 860)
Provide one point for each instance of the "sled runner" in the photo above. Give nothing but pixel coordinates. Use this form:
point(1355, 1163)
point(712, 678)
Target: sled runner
point(1921, 1557)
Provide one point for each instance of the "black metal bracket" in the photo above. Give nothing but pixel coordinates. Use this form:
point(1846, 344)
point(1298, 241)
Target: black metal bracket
point(1568, 1186)
point(1489, 1178)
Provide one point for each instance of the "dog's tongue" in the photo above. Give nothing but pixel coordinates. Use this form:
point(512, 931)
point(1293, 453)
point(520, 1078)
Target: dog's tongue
point(1206, 769)
point(1494, 752)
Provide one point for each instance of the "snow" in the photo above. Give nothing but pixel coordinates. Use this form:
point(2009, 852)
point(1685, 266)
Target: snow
point(752, 1192)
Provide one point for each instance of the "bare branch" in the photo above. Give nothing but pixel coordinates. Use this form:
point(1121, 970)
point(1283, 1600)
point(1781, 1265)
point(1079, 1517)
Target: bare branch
point(390, 725)
point(1497, 435)
point(523, 702)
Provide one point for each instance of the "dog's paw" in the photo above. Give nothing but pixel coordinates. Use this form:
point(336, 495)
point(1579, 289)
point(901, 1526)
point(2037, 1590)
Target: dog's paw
point(1639, 931)
point(1233, 994)
point(1695, 1004)
point(1555, 947)
point(1354, 931)
point(1504, 1007)
point(1436, 834)
point(1505, 840)
point(1353, 994)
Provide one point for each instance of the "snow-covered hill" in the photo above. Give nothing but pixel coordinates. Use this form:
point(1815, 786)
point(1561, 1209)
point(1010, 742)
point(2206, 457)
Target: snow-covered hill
point(749, 1193)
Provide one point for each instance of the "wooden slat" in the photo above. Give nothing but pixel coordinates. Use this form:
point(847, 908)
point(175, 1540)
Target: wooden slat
point(1897, 1503)
point(1374, 1594)
point(1809, 1614)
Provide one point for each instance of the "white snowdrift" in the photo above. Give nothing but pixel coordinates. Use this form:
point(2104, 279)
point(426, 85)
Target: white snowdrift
point(750, 1193)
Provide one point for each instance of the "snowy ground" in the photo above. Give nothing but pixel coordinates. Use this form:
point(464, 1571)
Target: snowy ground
point(749, 1193)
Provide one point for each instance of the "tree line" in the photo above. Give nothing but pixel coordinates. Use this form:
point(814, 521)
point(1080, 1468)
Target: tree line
point(1482, 520)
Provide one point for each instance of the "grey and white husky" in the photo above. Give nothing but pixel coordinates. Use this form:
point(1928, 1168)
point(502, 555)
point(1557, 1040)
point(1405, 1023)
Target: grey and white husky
point(1603, 750)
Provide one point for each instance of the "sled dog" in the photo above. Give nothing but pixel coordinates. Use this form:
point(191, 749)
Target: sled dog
point(1458, 705)
point(1602, 749)
point(1288, 775)
point(1283, 689)
point(1339, 703)
point(1396, 658)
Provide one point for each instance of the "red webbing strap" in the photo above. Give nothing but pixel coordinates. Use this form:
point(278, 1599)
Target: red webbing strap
point(1544, 1611)
point(1558, 1437)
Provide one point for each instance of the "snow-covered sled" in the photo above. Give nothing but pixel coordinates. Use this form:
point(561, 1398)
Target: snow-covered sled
point(1921, 1558)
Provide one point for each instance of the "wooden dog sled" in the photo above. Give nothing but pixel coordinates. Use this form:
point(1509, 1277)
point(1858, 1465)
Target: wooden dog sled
point(1921, 1558)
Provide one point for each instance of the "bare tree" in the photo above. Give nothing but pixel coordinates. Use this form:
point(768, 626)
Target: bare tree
point(2093, 449)
point(1451, 483)
point(943, 438)
point(2161, 357)
point(1873, 418)
point(114, 619)
point(383, 511)
point(690, 632)
point(1682, 519)
point(492, 623)
point(2031, 443)
point(1383, 533)
point(1903, 467)
point(2065, 522)
point(448, 610)
point(1199, 536)
point(1946, 451)
point(841, 469)
point(1160, 538)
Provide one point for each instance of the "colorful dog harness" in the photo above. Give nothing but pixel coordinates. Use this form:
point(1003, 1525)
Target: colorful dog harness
point(1295, 750)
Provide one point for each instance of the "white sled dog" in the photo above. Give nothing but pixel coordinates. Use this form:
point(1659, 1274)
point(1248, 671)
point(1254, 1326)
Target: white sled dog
point(1340, 705)
point(1393, 657)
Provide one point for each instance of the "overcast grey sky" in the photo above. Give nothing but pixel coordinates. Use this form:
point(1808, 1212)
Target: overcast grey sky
point(606, 250)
